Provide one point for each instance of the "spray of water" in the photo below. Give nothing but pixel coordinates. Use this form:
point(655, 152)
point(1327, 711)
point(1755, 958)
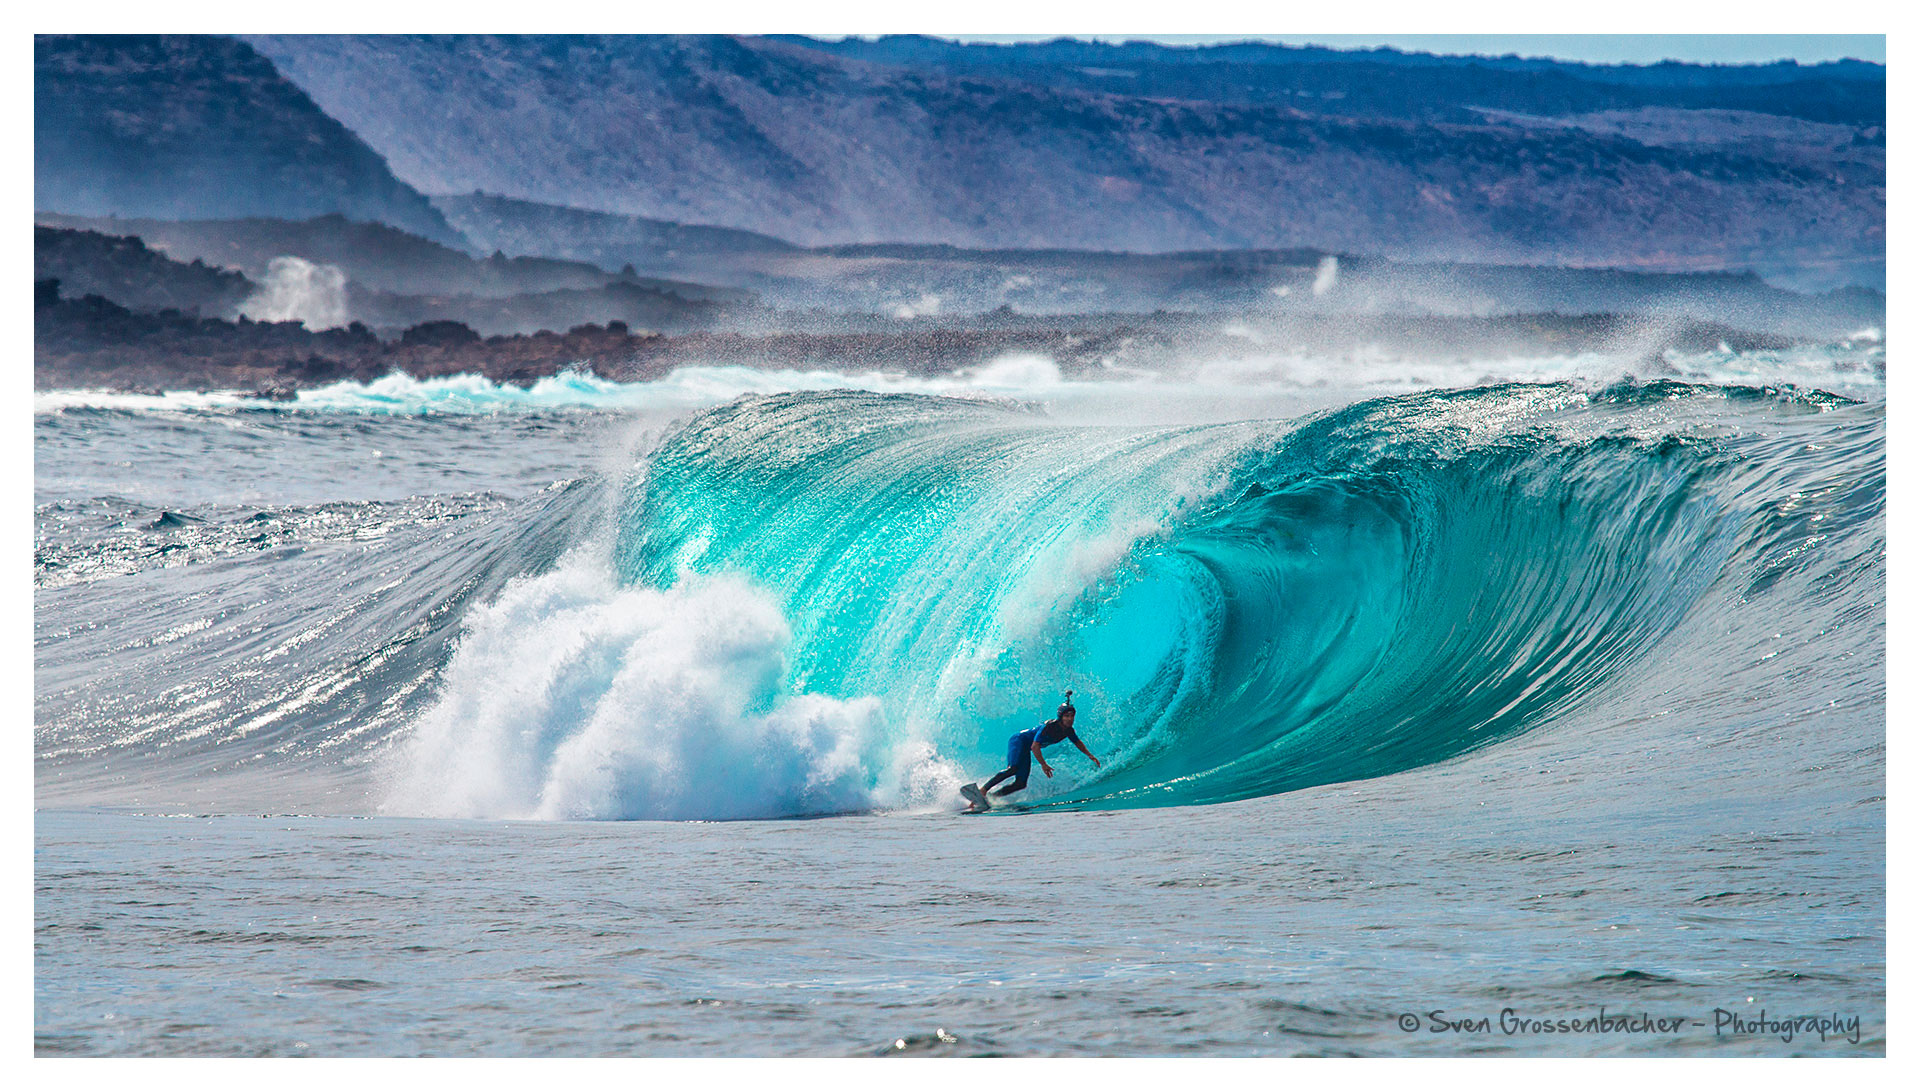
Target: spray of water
point(1328, 275)
point(574, 697)
point(297, 290)
point(927, 304)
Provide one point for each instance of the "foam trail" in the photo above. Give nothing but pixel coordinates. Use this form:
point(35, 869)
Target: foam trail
point(571, 697)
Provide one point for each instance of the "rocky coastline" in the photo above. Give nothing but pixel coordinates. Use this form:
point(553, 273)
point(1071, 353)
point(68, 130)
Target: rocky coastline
point(93, 343)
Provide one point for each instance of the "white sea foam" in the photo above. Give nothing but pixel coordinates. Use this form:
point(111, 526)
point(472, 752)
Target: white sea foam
point(1230, 385)
point(573, 697)
point(73, 398)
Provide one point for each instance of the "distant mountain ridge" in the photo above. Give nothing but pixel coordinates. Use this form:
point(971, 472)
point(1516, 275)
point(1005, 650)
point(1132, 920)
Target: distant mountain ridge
point(1388, 82)
point(912, 47)
point(198, 127)
point(919, 141)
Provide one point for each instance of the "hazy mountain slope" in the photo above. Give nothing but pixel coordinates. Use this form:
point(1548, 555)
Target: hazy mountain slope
point(187, 126)
point(790, 139)
point(124, 270)
point(603, 238)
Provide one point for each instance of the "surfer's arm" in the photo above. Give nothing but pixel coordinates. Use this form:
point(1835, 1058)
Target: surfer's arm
point(1042, 759)
point(1083, 749)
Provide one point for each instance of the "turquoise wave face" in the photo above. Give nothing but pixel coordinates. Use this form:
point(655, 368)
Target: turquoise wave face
point(1241, 608)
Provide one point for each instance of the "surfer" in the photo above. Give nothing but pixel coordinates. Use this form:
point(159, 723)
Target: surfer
point(1023, 749)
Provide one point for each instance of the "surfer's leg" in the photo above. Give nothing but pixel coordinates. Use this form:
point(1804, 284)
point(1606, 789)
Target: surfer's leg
point(1019, 765)
point(1018, 770)
point(1019, 761)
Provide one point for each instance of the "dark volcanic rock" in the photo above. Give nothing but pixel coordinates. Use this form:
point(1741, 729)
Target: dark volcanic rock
point(440, 334)
point(94, 342)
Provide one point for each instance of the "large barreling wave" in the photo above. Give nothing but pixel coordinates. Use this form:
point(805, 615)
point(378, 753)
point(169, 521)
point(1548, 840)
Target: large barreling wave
point(821, 602)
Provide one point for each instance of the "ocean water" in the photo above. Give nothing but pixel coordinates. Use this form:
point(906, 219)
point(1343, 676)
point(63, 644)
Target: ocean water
point(1449, 707)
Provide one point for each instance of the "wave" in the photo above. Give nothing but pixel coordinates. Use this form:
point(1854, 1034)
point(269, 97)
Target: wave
point(826, 601)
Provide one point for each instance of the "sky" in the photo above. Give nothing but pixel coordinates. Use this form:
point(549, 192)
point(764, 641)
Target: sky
point(1596, 48)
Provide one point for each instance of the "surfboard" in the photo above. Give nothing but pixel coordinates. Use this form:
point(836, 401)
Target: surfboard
point(976, 800)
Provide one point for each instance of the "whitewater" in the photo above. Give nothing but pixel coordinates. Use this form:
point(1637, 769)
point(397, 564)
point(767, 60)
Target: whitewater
point(593, 717)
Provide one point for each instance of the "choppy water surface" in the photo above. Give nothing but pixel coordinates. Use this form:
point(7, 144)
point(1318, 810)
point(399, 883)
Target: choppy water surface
point(1530, 696)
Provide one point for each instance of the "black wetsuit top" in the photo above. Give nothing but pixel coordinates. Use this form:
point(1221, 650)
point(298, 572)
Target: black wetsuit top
point(1052, 732)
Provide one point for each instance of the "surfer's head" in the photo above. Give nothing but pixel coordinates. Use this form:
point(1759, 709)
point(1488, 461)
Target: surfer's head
point(1065, 712)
